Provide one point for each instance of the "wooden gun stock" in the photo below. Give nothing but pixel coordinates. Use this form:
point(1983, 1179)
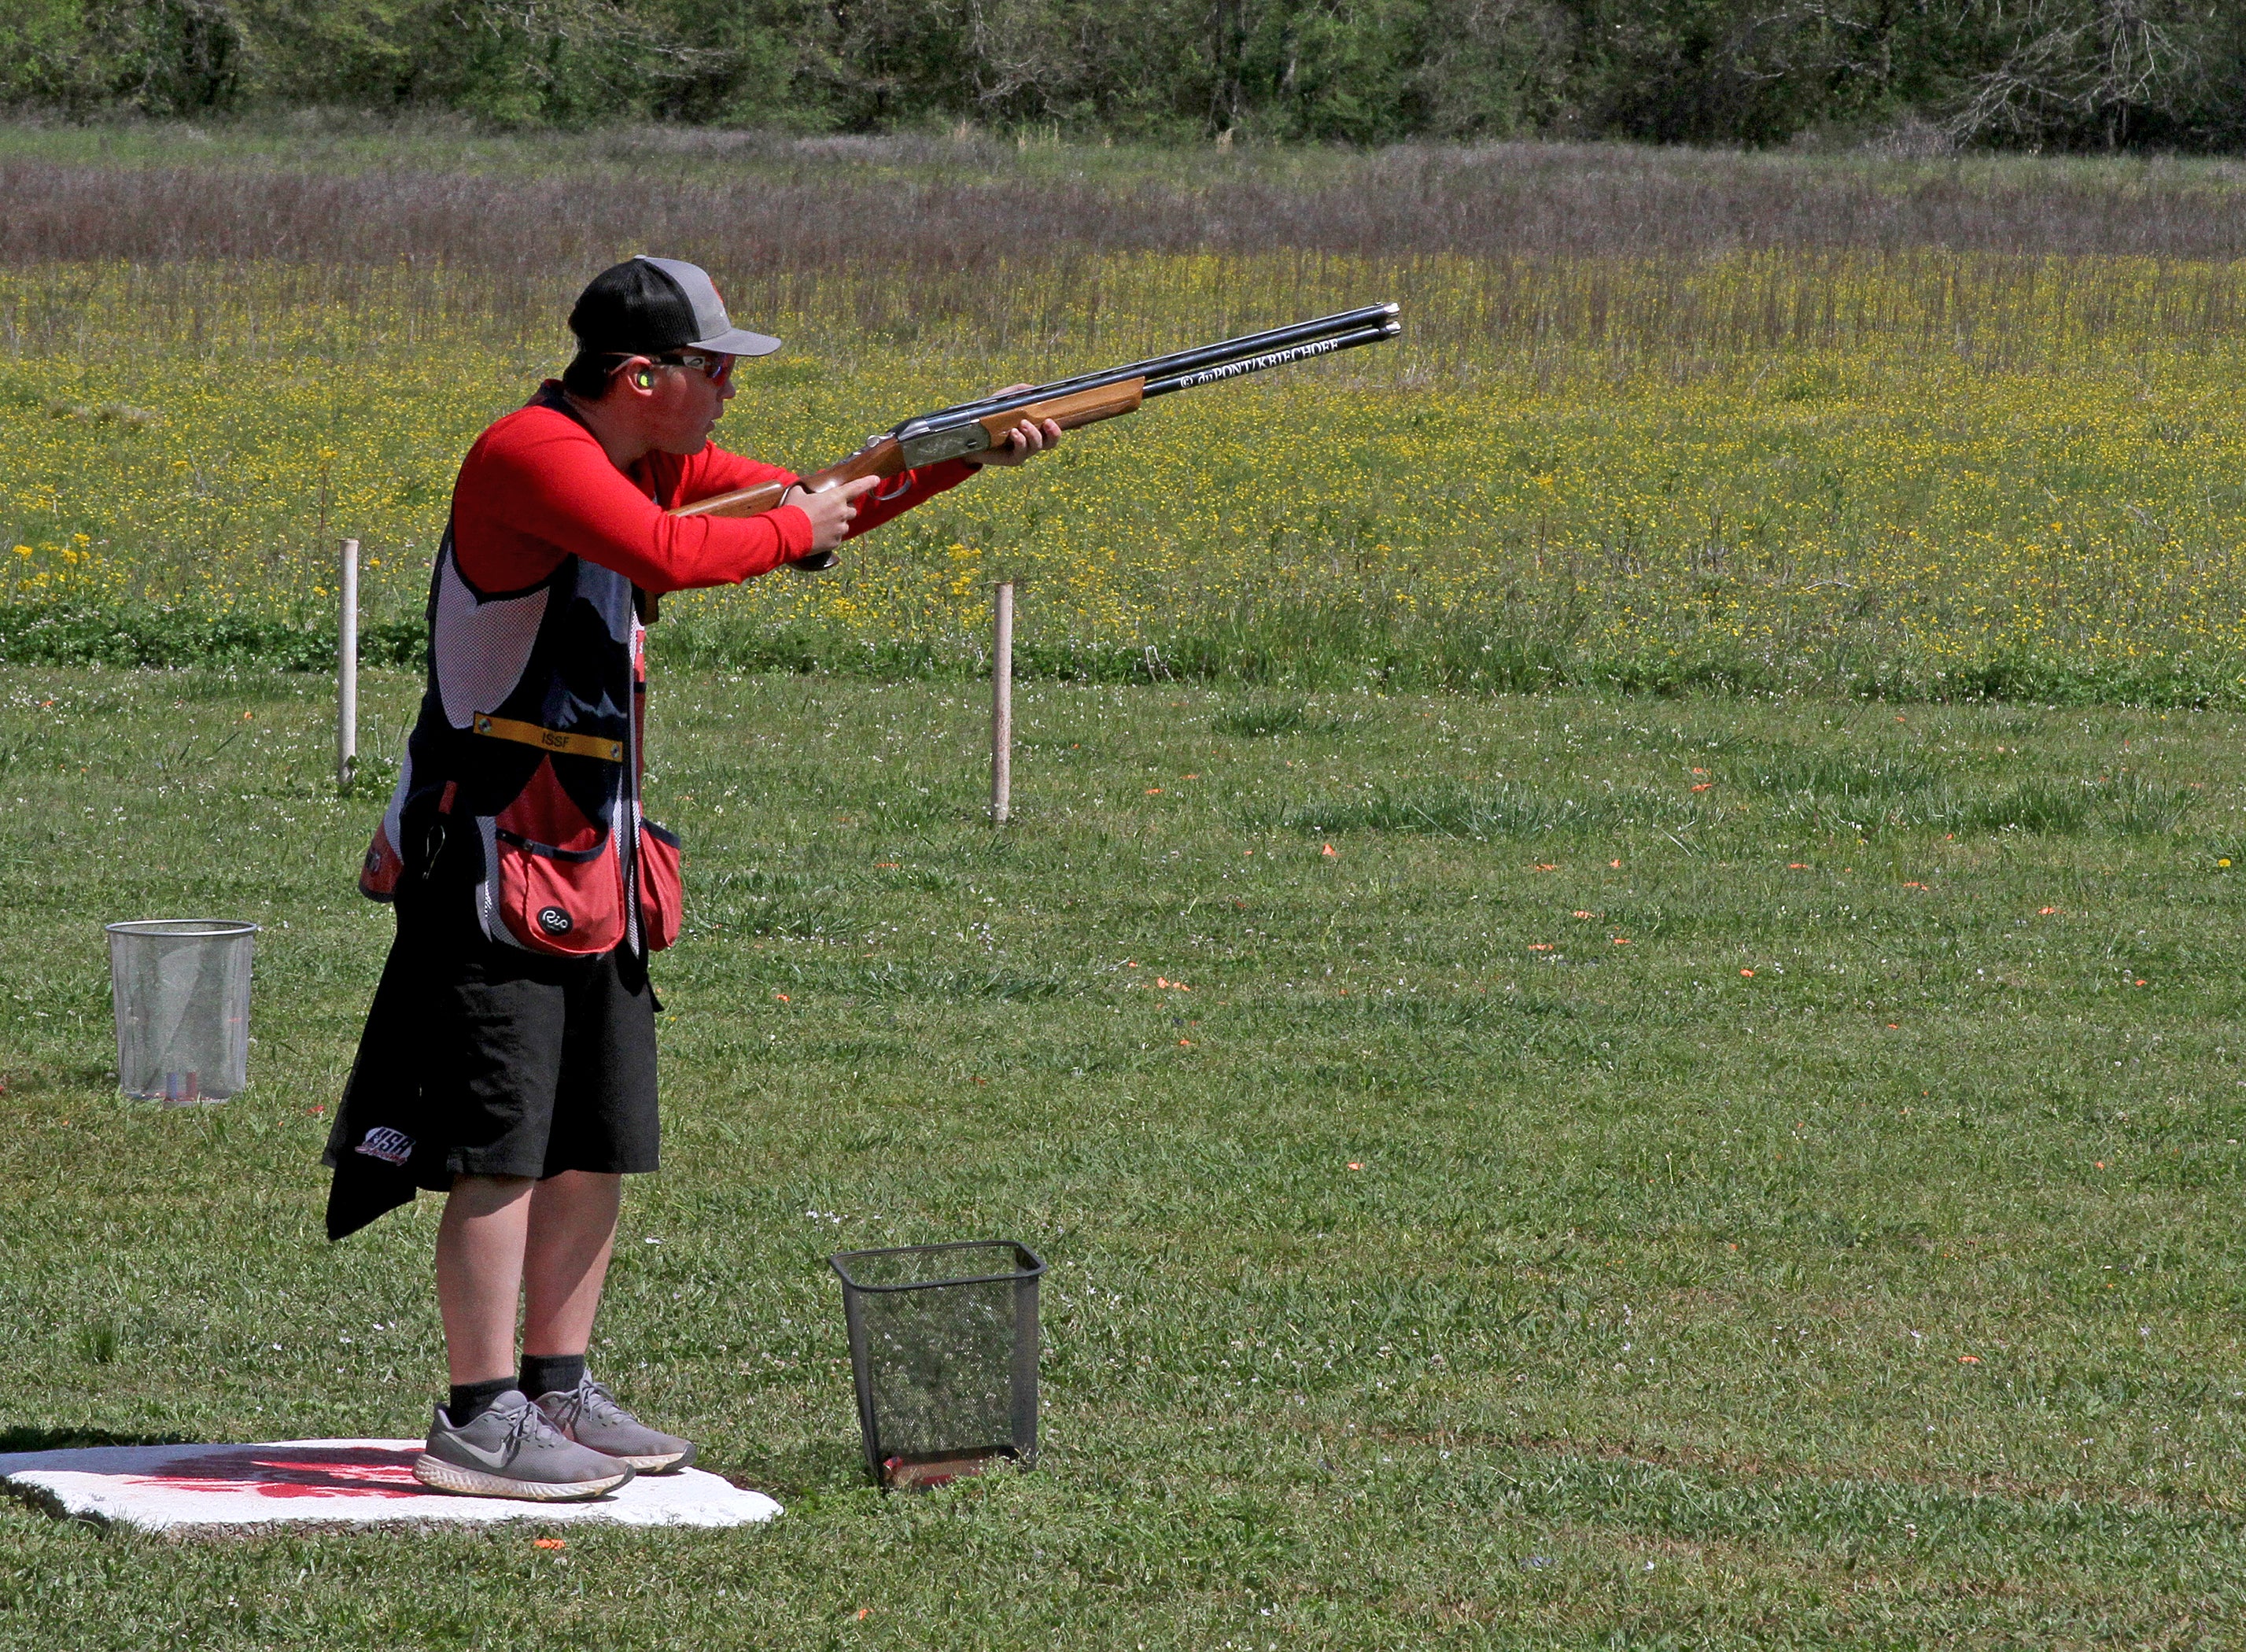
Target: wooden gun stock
point(881, 457)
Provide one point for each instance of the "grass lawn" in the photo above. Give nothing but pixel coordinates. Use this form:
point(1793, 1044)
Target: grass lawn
point(1582, 1209)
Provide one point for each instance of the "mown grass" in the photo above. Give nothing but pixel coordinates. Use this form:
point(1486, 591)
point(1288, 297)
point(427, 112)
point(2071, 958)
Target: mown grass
point(1788, 1213)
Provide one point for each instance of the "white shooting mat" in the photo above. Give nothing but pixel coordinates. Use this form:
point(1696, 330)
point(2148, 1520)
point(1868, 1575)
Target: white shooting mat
point(177, 1488)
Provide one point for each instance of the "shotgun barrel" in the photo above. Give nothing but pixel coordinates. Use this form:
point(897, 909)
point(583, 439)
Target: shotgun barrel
point(1214, 372)
point(1272, 339)
point(970, 427)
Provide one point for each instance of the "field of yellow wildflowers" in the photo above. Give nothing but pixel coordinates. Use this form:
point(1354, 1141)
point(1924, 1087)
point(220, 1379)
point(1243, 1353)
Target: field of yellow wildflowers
point(1937, 474)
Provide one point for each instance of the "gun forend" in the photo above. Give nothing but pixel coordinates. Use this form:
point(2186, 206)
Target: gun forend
point(1071, 410)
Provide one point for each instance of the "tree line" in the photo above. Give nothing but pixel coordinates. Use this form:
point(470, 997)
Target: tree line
point(2084, 75)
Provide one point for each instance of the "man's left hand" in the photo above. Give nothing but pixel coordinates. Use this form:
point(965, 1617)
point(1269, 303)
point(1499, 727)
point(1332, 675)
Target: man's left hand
point(1025, 440)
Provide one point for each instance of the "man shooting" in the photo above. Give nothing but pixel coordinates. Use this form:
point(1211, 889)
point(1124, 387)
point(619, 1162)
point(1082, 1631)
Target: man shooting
point(508, 1060)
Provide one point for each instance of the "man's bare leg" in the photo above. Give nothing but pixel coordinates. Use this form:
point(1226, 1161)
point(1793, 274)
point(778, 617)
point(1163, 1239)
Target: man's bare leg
point(485, 1444)
point(573, 1232)
point(573, 1229)
point(501, 1235)
point(480, 1251)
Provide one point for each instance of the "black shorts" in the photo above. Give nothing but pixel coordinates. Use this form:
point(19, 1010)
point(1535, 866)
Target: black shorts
point(491, 1061)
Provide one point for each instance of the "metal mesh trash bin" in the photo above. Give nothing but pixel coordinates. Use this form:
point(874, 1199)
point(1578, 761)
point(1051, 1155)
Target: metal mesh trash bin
point(181, 990)
point(944, 1352)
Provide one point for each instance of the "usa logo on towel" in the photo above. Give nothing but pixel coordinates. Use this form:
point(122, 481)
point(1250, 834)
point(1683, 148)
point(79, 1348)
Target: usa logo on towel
point(392, 1146)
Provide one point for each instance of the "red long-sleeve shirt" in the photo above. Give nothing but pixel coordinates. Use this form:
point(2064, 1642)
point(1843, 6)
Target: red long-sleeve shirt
point(537, 487)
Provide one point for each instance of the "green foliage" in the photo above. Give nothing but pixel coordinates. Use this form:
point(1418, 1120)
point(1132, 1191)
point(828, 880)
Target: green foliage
point(1254, 719)
point(2068, 73)
point(1311, 649)
point(143, 634)
point(1452, 809)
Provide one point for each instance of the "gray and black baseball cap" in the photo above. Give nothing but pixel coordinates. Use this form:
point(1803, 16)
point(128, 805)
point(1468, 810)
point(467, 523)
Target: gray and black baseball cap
point(645, 306)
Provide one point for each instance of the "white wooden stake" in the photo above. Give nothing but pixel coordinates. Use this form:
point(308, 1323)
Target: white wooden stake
point(1002, 706)
point(347, 668)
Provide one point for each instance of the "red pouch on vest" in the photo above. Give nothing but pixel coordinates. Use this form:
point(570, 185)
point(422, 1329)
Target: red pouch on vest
point(661, 894)
point(379, 872)
point(559, 888)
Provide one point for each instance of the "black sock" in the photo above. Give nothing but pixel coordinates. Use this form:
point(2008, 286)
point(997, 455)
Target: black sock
point(471, 1400)
point(551, 1373)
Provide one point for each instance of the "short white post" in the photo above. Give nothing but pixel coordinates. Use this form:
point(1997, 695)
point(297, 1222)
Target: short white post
point(1002, 706)
point(347, 668)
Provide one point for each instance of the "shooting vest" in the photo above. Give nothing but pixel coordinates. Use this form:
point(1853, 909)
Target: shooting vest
point(529, 737)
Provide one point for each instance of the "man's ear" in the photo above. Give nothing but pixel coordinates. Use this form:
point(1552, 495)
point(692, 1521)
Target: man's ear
point(635, 373)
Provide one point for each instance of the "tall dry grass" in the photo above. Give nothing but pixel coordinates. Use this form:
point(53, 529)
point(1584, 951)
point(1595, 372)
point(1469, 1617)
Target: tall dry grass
point(901, 239)
point(762, 205)
point(1622, 259)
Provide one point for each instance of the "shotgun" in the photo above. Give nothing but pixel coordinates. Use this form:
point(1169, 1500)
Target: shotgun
point(973, 427)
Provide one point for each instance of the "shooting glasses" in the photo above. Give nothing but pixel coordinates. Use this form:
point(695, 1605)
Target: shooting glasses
point(714, 365)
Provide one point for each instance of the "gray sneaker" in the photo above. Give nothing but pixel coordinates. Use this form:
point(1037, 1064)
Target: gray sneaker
point(512, 1450)
point(590, 1416)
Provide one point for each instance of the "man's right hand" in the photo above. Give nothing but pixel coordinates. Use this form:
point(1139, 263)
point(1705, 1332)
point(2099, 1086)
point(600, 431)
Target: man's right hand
point(831, 510)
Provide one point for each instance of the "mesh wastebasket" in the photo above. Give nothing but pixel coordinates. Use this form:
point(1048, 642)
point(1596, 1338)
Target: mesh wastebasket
point(181, 990)
point(943, 1352)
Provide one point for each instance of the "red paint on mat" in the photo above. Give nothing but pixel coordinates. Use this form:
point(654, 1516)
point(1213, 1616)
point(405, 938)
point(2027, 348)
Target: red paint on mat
point(284, 1471)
